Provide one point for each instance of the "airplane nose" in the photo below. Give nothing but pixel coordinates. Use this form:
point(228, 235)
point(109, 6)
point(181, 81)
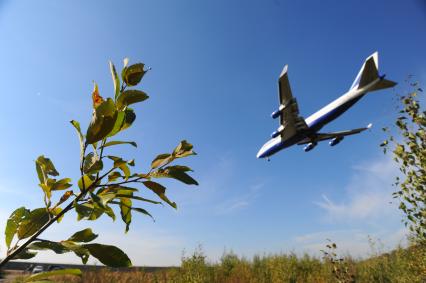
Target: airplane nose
point(261, 153)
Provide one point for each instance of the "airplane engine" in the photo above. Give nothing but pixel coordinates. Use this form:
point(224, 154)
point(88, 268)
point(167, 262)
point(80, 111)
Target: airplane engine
point(310, 146)
point(335, 141)
point(275, 134)
point(276, 114)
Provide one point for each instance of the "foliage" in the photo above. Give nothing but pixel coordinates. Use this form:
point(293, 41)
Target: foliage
point(340, 267)
point(107, 183)
point(400, 265)
point(409, 151)
point(195, 267)
point(44, 275)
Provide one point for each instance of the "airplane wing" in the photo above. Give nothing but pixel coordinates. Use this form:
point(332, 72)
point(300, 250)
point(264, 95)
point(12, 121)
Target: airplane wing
point(290, 119)
point(328, 136)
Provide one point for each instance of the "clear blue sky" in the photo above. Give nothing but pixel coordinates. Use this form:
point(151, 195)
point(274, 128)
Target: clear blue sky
point(215, 66)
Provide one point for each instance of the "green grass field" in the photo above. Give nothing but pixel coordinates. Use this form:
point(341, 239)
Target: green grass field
point(400, 265)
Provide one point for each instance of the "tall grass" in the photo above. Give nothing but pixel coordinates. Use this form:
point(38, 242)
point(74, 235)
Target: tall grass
point(401, 265)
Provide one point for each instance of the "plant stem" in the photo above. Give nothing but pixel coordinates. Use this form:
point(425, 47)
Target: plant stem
point(54, 219)
point(42, 229)
point(121, 183)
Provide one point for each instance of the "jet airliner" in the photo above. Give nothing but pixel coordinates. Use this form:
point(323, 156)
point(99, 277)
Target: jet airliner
point(294, 129)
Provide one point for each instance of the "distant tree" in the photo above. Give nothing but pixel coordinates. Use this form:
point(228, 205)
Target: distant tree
point(409, 151)
point(106, 181)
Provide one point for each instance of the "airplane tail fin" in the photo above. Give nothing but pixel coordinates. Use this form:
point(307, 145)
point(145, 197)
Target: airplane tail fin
point(370, 72)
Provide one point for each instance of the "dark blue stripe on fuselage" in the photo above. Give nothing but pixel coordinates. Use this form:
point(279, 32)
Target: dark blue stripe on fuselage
point(283, 144)
point(317, 124)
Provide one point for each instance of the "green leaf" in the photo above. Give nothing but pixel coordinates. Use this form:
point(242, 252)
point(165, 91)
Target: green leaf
point(32, 222)
point(83, 210)
point(161, 159)
point(56, 247)
point(139, 198)
point(109, 255)
point(183, 149)
point(117, 160)
point(25, 254)
point(13, 223)
point(133, 74)
point(121, 164)
point(55, 211)
point(43, 275)
point(47, 187)
point(41, 176)
point(399, 150)
point(45, 167)
point(88, 180)
point(121, 190)
point(85, 236)
point(160, 191)
point(124, 120)
point(79, 250)
point(129, 97)
point(109, 212)
point(181, 176)
point(115, 80)
point(106, 197)
point(88, 211)
point(46, 190)
point(120, 142)
point(175, 172)
point(62, 184)
point(143, 211)
point(92, 164)
point(65, 197)
point(97, 201)
point(103, 121)
point(80, 136)
point(114, 176)
point(125, 169)
point(119, 123)
point(126, 212)
point(129, 118)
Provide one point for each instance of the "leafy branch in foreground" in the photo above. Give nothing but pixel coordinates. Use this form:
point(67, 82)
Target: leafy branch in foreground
point(409, 151)
point(107, 183)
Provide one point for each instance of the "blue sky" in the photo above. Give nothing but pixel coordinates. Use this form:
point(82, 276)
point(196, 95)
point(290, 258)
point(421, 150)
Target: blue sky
point(215, 66)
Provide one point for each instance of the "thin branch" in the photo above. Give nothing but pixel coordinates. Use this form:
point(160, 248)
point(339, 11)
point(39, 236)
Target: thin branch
point(100, 155)
point(104, 175)
point(70, 206)
point(35, 236)
point(121, 183)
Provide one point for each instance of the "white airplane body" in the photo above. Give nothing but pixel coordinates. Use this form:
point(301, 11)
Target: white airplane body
point(294, 129)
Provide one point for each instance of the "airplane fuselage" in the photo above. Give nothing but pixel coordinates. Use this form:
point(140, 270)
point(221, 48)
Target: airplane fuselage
point(318, 120)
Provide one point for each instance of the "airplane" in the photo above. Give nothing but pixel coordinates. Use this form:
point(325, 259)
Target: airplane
point(294, 129)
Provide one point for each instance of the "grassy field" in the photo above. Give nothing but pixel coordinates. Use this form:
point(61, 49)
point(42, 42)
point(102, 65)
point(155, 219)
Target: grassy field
point(401, 265)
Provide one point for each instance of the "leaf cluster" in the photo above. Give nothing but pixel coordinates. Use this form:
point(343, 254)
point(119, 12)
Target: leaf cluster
point(79, 244)
point(108, 184)
point(409, 152)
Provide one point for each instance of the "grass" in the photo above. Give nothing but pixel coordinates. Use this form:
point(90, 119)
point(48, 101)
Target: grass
point(400, 265)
